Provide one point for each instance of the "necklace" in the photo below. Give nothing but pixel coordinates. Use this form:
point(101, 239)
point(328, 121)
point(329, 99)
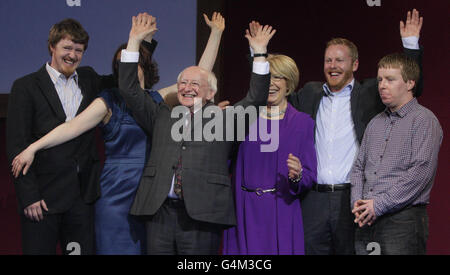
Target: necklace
point(271, 115)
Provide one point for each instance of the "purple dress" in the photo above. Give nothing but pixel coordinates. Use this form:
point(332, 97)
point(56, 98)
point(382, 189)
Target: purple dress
point(272, 224)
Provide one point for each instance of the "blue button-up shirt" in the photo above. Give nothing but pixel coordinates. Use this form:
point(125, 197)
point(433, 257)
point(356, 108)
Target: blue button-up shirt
point(336, 140)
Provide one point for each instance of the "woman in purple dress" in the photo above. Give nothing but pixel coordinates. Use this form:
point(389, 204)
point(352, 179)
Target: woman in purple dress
point(267, 184)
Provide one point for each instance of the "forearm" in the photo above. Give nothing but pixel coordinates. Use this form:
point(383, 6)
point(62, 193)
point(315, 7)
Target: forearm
point(309, 176)
point(140, 102)
point(406, 190)
point(210, 53)
point(425, 144)
point(259, 86)
point(308, 156)
point(83, 122)
point(150, 45)
point(19, 127)
point(357, 177)
point(166, 92)
point(417, 55)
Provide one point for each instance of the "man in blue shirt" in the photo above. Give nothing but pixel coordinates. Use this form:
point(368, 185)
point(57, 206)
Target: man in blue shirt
point(342, 107)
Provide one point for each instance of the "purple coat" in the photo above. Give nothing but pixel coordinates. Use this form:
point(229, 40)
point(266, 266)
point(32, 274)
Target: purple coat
point(272, 223)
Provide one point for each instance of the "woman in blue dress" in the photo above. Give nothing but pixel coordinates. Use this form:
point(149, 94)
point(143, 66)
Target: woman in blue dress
point(126, 149)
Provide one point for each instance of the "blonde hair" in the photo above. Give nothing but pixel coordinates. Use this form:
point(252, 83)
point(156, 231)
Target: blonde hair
point(345, 42)
point(409, 68)
point(284, 66)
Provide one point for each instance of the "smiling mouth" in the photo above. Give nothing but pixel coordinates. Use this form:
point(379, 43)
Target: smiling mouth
point(189, 95)
point(271, 92)
point(69, 61)
point(334, 74)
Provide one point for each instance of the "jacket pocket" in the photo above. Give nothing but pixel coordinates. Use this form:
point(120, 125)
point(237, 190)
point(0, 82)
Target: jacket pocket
point(218, 179)
point(149, 171)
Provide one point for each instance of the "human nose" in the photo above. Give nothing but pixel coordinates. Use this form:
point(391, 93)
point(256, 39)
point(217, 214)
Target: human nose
point(381, 84)
point(72, 54)
point(188, 86)
point(333, 64)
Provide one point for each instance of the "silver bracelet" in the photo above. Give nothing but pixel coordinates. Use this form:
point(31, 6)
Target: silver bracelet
point(299, 178)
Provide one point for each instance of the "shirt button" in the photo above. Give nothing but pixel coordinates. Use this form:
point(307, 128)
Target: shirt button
point(183, 148)
point(375, 173)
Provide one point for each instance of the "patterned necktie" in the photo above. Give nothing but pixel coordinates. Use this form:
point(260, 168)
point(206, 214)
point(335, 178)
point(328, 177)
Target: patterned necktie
point(177, 186)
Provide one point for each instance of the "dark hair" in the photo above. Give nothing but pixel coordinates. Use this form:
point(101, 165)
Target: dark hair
point(148, 66)
point(67, 28)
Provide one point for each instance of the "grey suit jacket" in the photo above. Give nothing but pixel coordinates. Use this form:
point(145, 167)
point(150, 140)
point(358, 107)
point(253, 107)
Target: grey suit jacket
point(207, 190)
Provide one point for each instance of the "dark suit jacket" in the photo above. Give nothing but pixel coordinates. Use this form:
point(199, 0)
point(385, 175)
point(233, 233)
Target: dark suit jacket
point(62, 173)
point(365, 100)
point(205, 176)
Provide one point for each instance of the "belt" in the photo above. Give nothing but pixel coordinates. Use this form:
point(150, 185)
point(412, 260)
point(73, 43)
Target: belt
point(259, 191)
point(329, 188)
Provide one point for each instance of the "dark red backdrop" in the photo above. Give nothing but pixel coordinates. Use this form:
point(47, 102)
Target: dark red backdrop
point(303, 29)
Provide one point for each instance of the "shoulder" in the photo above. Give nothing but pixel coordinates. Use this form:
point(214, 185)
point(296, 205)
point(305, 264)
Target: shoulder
point(28, 80)
point(156, 96)
point(425, 115)
point(87, 72)
point(380, 117)
point(111, 96)
point(313, 87)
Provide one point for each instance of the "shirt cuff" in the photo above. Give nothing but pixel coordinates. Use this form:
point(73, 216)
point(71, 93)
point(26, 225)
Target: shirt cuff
point(411, 42)
point(261, 68)
point(129, 57)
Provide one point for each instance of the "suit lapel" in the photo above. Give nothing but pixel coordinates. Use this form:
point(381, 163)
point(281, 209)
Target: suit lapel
point(317, 99)
point(354, 100)
point(48, 90)
point(86, 97)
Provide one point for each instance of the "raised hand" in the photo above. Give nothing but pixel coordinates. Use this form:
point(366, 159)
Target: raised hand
point(253, 27)
point(22, 160)
point(412, 26)
point(261, 38)
point(149, 36)
point(143, 26)
point(294, 167)
point(217, 22)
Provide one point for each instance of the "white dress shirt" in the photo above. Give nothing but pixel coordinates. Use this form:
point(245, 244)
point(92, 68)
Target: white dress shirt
point(68, 91)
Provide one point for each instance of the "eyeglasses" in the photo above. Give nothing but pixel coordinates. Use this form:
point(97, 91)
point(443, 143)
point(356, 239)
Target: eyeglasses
point(277, 78)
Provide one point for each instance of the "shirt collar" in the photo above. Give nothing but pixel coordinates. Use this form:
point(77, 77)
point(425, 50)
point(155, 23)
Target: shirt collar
point(55, 75)
point(344, 92)
point(405, 109)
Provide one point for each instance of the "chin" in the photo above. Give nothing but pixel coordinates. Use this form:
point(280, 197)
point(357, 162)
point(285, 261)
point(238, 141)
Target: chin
point(187, 103)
